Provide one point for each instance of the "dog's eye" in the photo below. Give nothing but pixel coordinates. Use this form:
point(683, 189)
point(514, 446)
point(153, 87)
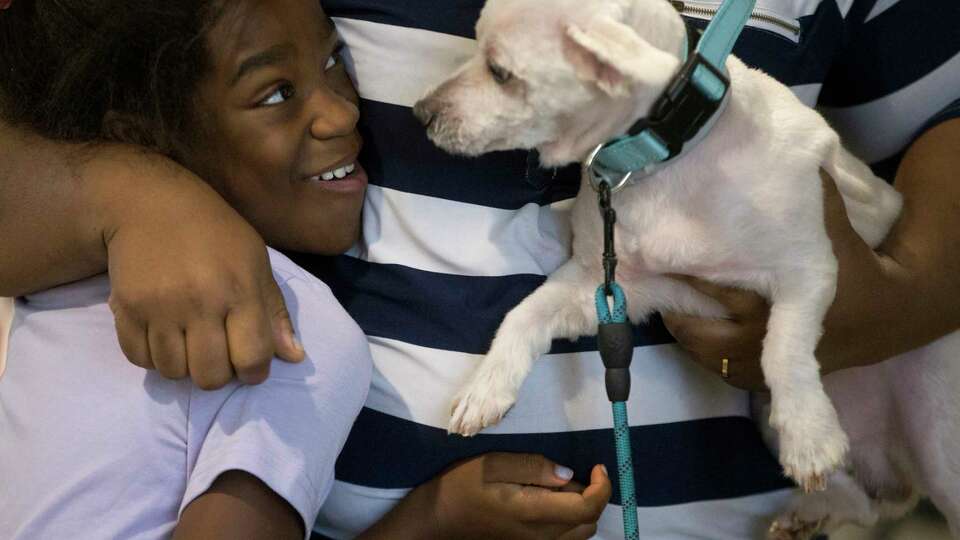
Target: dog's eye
point(501, 75)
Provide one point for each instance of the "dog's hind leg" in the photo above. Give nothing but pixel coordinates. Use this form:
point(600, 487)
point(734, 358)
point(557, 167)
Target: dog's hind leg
point(561, 307)
point(872, 204)
point(808, 514)
point(812, 442)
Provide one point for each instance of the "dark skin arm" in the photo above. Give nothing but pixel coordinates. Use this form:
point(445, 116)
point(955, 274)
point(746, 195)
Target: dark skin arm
point(889, 301)
point(238, 505)
point(192, 290)
point(498, 495)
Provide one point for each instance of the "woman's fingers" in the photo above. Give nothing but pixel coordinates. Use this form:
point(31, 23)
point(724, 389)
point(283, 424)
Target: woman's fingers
point(739, 302)
point(250, 342)
point(168, 349)
point(132, 335)
point(208, 358)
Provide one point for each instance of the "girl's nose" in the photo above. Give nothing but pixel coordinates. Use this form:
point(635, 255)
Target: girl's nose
point(333, 115)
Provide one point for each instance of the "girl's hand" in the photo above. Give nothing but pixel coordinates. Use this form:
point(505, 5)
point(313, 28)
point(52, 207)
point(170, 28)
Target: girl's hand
point(500, 495)
point(192, 290)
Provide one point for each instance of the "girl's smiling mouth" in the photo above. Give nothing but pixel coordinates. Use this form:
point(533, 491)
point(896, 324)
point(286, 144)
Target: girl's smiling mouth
point(349, 177)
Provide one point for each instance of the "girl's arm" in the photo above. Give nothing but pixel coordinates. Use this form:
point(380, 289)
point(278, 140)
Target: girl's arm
point(238, 505)
point(181, 261)
point(498, 495)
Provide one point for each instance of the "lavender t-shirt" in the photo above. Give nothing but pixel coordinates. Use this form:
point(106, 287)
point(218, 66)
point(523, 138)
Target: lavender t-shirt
point(94, 447)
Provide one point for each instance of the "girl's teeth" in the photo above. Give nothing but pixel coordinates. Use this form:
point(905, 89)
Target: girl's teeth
point(341, 172)
point(350, 168)
point(327, 176)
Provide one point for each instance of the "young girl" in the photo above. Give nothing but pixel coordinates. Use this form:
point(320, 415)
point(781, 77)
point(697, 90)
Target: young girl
point(250, 96)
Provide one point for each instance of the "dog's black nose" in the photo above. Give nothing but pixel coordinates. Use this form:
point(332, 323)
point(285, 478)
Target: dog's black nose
point(424, 112)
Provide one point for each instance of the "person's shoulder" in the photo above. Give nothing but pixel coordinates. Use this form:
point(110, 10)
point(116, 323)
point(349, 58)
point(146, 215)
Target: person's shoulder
point(327, 332)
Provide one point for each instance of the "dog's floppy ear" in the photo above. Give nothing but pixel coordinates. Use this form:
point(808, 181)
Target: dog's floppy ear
point(611, 55)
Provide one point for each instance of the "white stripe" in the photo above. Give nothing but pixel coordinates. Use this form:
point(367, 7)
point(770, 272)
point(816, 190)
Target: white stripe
point(464, 239)
point(564, 392)
point(397, 65)
point(880, 7)
point(844, 6)
point(808, 93)
point(351, 509)
point(877, 130)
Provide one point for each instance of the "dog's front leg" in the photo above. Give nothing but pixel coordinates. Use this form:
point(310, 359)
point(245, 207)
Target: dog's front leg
point(812, 442)
point(561, 307)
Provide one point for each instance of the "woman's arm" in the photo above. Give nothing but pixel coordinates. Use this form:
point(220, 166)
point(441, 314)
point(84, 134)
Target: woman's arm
point(899, 298)
point(182, 263)
point(52, 223)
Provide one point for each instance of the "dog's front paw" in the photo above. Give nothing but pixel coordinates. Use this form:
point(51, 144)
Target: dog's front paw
point(812, 443)
point(791, 527)
point(478, 405)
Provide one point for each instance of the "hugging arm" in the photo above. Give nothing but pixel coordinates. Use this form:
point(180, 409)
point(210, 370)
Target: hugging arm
point(192, 289)
point(889, 301)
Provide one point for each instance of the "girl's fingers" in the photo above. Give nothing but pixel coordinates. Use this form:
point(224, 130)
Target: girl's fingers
point(524, 469)
point(580, 532)
point(545, 506)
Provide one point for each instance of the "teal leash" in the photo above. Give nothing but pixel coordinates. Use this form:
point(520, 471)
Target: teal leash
point(621, 426)
point(615, 341)
point(682, 115)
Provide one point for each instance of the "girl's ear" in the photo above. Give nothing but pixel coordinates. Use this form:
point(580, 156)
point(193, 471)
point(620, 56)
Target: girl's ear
point(613, 56)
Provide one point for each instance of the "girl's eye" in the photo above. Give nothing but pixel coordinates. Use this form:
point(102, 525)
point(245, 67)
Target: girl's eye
point(282, 94)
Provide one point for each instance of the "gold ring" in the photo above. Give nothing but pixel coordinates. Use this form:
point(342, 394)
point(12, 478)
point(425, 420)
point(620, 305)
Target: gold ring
point(725, 368)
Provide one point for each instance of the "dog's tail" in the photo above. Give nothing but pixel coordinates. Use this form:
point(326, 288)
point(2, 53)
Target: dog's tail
point(872, 204)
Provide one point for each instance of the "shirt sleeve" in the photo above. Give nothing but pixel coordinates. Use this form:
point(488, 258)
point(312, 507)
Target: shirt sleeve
point(288, 430)
point(897, 75)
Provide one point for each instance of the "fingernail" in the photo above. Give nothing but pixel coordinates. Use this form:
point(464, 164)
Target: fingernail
point(604, 469)
point(562, 472)
point(296, 343)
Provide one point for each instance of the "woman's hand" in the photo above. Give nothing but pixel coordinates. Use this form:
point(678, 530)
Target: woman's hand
point(889, 301)
point(191, 286)
point(500, 495)
point(739, 337)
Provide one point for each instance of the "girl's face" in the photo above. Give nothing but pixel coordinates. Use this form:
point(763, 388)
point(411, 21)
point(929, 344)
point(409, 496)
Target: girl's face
point(277, 122)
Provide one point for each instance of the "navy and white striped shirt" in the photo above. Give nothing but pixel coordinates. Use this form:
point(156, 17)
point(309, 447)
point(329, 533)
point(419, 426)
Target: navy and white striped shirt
point(452, 244)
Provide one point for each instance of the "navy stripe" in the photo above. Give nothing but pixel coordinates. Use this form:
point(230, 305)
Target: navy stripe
point(398, 155)
point(674, 463)
point(790, 63)
point(890, 52)
point(454, 17)
point(439, 311)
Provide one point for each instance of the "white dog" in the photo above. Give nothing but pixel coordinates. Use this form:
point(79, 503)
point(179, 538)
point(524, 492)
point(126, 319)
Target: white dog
point(743, 208)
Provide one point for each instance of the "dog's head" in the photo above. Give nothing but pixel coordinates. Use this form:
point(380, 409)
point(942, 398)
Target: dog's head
point(560, 76)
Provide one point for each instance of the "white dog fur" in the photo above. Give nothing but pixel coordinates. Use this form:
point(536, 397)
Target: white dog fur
point(744, 208)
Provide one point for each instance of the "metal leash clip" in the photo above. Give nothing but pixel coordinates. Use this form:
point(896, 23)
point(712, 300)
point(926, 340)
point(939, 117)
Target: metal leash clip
point(597, 175)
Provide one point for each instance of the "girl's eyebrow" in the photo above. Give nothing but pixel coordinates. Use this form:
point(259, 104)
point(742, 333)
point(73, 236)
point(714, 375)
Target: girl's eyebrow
point(272, 56)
